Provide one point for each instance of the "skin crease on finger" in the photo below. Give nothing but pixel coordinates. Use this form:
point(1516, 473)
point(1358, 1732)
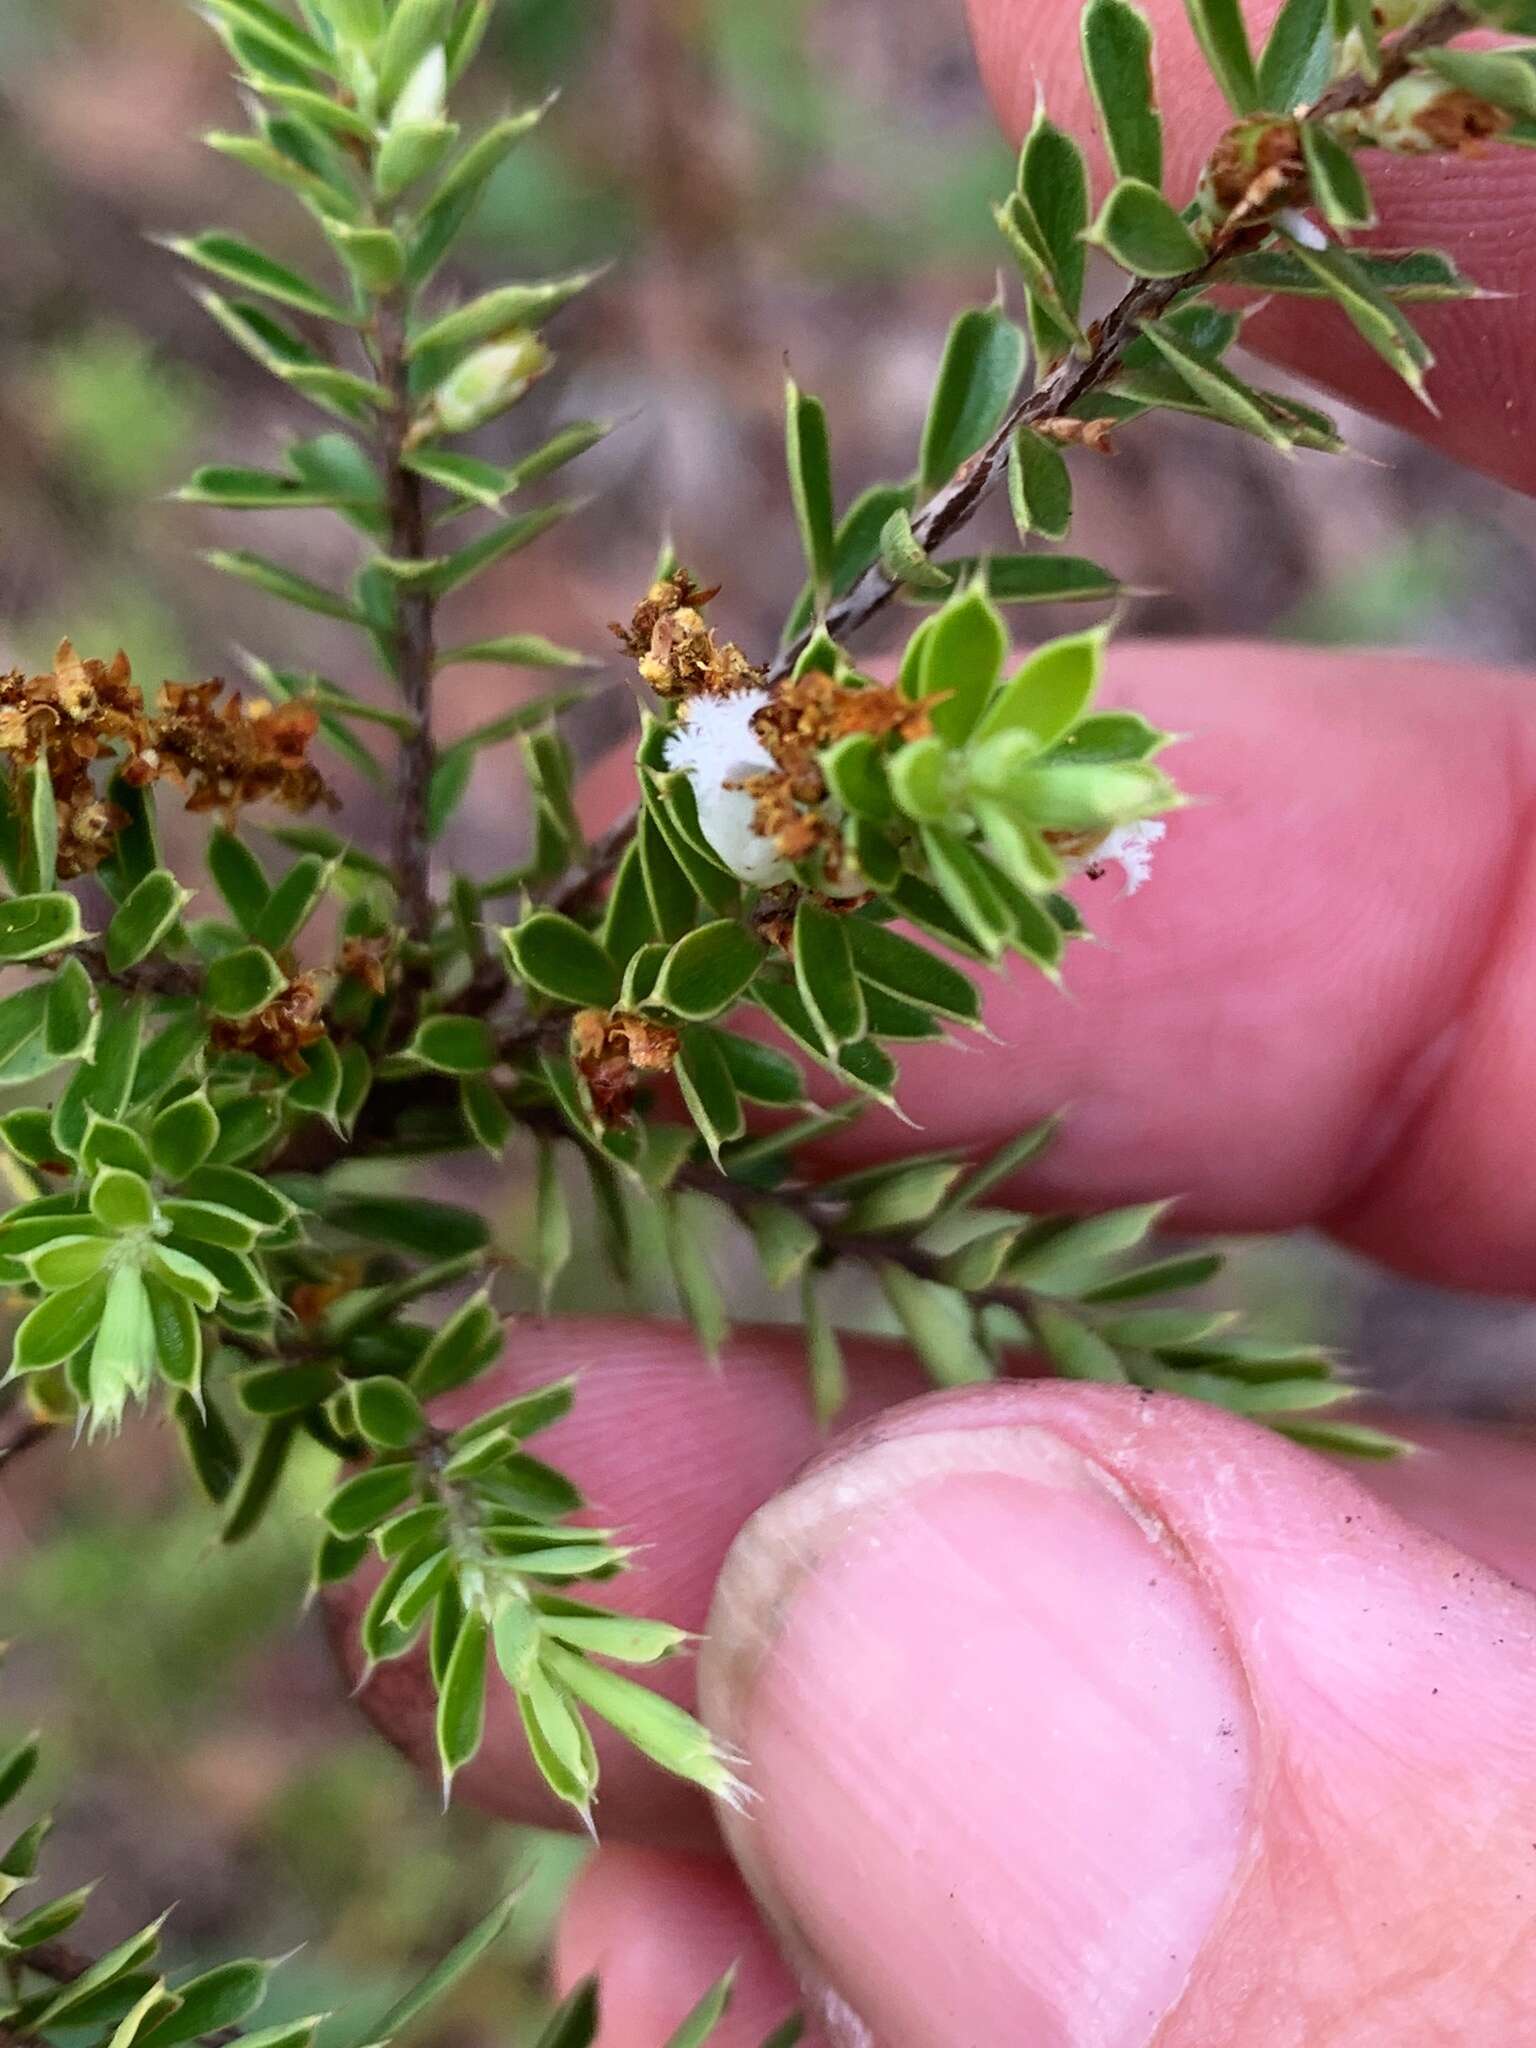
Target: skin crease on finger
point(1377, 1888)
point(1478, 211)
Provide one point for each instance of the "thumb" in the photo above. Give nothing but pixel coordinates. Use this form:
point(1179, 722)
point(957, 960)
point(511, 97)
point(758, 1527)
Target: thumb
point(1093, 1719)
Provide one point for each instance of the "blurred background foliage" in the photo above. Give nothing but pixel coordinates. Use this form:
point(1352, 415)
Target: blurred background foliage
point(807, 177)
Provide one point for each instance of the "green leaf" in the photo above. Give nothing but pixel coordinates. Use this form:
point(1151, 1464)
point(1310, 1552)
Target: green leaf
point(518, 650)
point(707, 1089)
point(360, 1504)
point(230, 257)
point(825, 976)
point(1222, 394)
point(823, 1348)
point(1298, 56)
point(243, 982)
point(187, 1276)
point(221, 1997)
point(707, 973)
point(886, 960)
point(434, 1229)
point(903, 557)
point(963, 883)
point(505, 539)
point(460, 190)
point(856, 547)
point(1039, 487)
point(145, 917)
point(1077, 1352)
point(69, 1023)
point(1371, 312)
point(701, 2023)
point(1219, 29)
point(697, 1287)
point(1410, 276)
point(562, 959)
point(415, 28)
point(388, 1414)
point(239, 878)
point(1348, 1439)
point(939, 1326)
point(461, 1703)
point(1339, 190)
point(553, 1240)
point(656, 1727)
point(178, 1335)
point(33, 925)
point(809, 456)
point(962, 657)
point(784, 1239)
point(273, 28)
point(1117, 56)
point(984, 359)
point(1138, 228)
point(443, 1976)
point(39, 868)
point(293, 902)
point(1054, 331)
point(1039, 579)
point(469, 1341)
point(903, 1198)
point(283, 583)
point(497, 312)
point(120, 1962)
point(455, 1045)
point(182, 1136)
point(1053, 180)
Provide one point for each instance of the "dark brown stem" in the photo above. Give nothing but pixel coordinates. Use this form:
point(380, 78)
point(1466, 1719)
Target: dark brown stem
point(26, 1438)
point(147, 978)
point(415, 649)
point(824, 1214)
point(1079, 377)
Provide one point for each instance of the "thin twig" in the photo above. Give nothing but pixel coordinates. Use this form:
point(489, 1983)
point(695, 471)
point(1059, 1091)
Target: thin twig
point(1079, 377)
point(147, 978)
point(27, 1438)
point(415, 649)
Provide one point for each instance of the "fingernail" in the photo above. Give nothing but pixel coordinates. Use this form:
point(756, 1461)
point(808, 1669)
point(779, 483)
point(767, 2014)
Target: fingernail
point(1001, 1747)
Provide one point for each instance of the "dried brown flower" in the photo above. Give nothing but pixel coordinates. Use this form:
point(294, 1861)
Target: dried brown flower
point(1256, 166)
point(812, 712)
point(278, 1033)
point(366, 961)
point(612, 1050)
point(82, 711)
point(677, 652)
point(231, 754)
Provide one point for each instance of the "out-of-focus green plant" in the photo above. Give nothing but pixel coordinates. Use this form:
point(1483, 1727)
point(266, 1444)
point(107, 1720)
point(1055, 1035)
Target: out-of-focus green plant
point(813, 848)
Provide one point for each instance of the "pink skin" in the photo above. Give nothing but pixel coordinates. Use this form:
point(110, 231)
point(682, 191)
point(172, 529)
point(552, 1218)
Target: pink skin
point(1009, 1789)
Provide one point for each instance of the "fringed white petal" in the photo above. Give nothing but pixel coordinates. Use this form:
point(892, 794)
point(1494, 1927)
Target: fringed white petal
point(1130, 846)
point(714, 744)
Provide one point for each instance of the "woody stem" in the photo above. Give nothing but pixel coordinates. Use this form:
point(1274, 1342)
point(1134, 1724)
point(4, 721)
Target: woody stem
point(414, 649)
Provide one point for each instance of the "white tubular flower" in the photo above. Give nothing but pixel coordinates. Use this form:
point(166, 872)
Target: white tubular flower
point(1130, 846)
point(714, 744)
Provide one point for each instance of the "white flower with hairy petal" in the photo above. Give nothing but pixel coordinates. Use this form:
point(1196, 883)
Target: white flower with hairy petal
point(1131, 847)
point(714, 744)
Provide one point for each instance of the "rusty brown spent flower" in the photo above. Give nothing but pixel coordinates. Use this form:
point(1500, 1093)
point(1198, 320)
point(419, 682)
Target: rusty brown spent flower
point(677, 652)
point(613, 1051)
point(84, 711)
point(280, 1032)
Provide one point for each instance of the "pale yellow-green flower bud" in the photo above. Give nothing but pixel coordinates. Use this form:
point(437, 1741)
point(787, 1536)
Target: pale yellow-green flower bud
point(488, 381)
